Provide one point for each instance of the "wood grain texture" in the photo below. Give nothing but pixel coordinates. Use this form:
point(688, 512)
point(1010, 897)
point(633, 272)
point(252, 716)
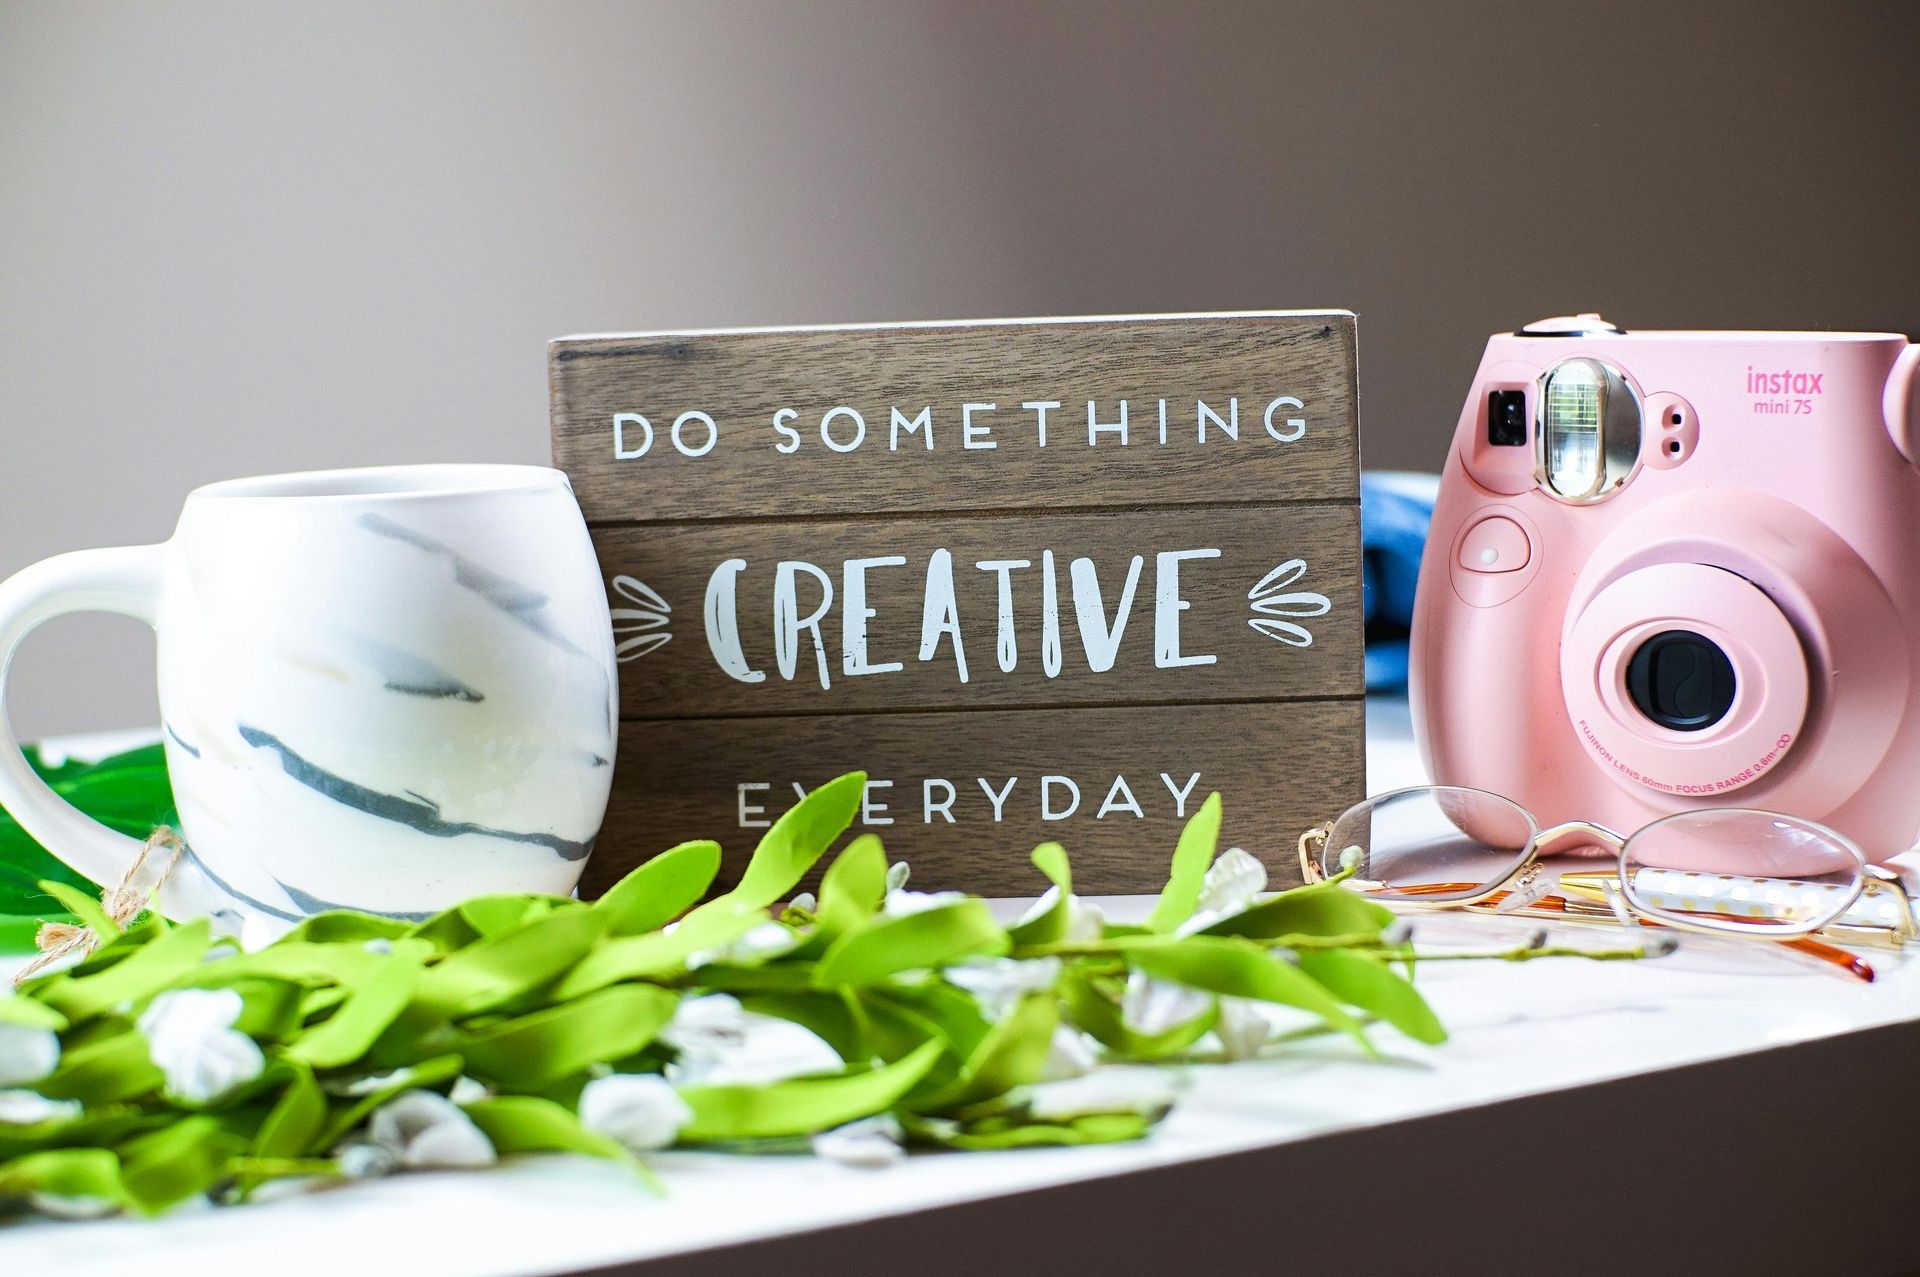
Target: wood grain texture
point(740, 379)
point(1280, 768)
point(769, 464)
point(679, 676)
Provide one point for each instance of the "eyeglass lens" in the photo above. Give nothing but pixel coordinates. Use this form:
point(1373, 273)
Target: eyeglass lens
point(1434, 844)
point(1738, 870)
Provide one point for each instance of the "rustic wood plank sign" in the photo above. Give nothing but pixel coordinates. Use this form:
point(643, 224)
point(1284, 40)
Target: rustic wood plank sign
point(1040, 579)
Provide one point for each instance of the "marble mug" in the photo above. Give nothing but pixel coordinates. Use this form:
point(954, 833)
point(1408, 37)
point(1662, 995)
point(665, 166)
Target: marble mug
point(386, 689)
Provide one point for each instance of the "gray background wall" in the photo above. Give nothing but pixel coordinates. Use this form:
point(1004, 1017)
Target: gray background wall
point(238, 238)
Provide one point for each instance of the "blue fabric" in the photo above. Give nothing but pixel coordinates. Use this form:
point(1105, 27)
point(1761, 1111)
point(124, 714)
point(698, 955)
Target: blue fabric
point(1395, 511)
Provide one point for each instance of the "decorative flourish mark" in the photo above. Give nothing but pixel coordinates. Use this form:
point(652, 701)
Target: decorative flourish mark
point(640, 629)
point(1271, 598)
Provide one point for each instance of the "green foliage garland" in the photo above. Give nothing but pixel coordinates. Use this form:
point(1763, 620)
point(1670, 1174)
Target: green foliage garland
point(176, 1065)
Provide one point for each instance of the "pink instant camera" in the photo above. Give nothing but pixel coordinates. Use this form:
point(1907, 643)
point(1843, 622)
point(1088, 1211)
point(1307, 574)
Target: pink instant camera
point(1672, 570)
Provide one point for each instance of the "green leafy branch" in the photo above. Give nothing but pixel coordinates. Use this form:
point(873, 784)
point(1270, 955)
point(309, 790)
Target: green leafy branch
point(170, 1064)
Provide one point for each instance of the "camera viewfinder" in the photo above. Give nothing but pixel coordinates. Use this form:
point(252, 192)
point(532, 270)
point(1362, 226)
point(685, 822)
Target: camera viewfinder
point(1507, 418)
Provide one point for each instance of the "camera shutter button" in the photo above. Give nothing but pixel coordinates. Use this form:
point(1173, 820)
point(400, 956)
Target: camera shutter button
point(1495, 544)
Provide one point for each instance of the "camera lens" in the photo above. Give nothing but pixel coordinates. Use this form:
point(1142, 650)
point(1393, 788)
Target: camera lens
point(1681, 680)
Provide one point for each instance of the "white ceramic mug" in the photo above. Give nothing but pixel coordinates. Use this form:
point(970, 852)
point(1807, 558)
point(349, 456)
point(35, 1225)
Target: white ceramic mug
point(384, 689)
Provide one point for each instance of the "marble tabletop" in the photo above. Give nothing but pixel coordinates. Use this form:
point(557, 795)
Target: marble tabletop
point(1518, 1030)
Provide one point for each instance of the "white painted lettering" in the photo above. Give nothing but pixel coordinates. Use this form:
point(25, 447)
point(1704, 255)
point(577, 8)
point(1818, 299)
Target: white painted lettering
point(1168, 605)
point(788, 624)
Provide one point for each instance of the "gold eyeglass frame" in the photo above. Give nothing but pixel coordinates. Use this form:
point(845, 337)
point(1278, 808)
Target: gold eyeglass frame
point(1605, 889)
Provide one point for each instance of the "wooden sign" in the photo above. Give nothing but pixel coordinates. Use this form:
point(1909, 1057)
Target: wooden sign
point(1043, 580)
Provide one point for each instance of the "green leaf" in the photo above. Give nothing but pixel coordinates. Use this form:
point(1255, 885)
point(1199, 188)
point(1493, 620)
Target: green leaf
point(178, 1162)
point(1014, 1053)
point(661, 889)
point(1366, 982)
point(801, 1106)
point(26, 1012)
point(931, 938)
point(347, 926)
point(375, 1002)
point(104, 1071)
point(1016, 1132)
point(103, 1126)
point(147, 970)
point(659, 955)
point(1050, 858)
point(302, 962)
point(1239, 969)
point(1094, 1012)
point(85, 1174)
point(789, 849)
point(507, 964)
point(1322, 909)
point(296, 1119)
point(895, 1027)
point(1191, 858)
point(954, 1014)
point(269, 1009)
point(851, 891)
point(84, 905)
point(427, 1075)
point(529, 1124)
point(824, 1013)
point(491, 915)
point(533, 1051)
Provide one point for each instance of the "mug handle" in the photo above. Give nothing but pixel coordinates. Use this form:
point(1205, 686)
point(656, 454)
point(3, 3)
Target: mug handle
point(124, 581)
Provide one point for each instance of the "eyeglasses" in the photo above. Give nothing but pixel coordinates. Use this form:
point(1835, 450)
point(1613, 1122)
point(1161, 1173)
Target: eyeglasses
point(1729, 870)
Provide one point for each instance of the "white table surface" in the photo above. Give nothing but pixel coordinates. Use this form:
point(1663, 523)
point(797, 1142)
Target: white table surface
point(1517, 1029)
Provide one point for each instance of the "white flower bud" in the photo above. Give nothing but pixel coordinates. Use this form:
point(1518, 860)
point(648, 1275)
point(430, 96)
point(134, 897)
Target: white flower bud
point(767, 940)
point(640, 1110)
point(27, 1053)
point(426, 1129)
point(998, 984)
point(1242, 1028)
point(191, 1038)
point(1352, 857)
point(466, 1090)
point(1152, 1007)
point(25, 1108)
point(900, 902)
point(705, 1025)
point(362, 1160)
point(1231, 883)
point(362, 1085)
point(1085, 920)
point(872, 1143)
point(1038, 909)
point(897, 874)
point(60, 1206)
point(805, 902)
point(1070, 1055)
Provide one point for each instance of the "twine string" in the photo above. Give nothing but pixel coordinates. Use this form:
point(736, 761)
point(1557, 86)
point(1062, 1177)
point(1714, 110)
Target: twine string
point(122, 903)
